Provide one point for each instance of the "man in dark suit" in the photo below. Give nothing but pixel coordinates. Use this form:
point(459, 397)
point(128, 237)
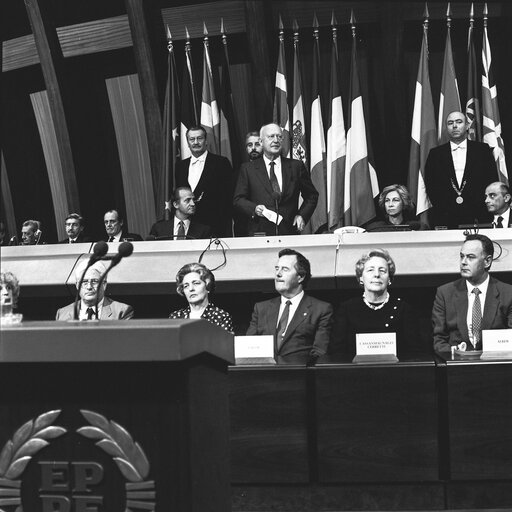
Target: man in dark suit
point(456, 174)
point(300, 324)
point(463, 308)
point(114, 229)
point(183, 225)
point(90, 293)
point(210, 177)
point(498, 202)
point(271, 185)
point(74, 224)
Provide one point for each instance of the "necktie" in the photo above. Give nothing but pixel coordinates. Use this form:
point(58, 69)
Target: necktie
point(476, 318)
point(273, 178)
point(499, 224)
point(281, 325)
point(110, 238)
point(90, 313)
point(71, 241)
point(181, 231)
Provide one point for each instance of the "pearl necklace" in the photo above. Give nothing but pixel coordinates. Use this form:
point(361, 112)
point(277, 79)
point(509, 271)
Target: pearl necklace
point(373, 306)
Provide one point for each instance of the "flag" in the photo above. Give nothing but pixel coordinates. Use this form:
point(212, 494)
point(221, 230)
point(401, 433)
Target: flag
point(170, 123)
point(449, 100)
point(281, 115)
point(317, 145)
point(336, 145)
point(473, 114)
point(361, 184)
point(210, 118)
point(423, 132)
point(299, 149)
point(491, 115)
point(188, 113)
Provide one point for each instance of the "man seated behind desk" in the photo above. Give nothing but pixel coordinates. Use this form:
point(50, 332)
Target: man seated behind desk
point(108, 309)
point(182, 226)
point(463, 308)
point(114, 228)
point(300, 324)
point(74, 225)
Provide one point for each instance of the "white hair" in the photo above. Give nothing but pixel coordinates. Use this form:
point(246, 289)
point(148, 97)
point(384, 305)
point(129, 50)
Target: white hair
point(99, 266)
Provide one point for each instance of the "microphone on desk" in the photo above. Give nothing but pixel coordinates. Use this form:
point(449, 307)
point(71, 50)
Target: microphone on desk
point(125, 249)
point(276, 196)
point(99, 251)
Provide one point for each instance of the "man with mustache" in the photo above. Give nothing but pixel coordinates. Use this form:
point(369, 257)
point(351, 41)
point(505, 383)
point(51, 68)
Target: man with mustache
point(253, 145)
point(456, 175)
point(271, 186)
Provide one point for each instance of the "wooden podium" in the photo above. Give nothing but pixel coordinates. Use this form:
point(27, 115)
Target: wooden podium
point(114, 416)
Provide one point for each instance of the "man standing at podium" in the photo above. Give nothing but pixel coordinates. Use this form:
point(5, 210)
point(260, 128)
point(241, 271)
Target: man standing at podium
point(300, 324)
point(90, 293)
point(463, 308)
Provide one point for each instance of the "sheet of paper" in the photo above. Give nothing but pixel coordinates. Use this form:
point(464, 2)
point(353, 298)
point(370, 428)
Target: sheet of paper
point(272, 216)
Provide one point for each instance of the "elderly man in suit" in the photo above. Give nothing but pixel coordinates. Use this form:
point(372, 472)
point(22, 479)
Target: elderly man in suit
point(271, 185)
point(498, 202)
point(90, 293)
point(300, 324)
point(210, 177)
point(114, 229)
point(456, 174)
point(183, 225)
point(74, 225)
point(463, 308)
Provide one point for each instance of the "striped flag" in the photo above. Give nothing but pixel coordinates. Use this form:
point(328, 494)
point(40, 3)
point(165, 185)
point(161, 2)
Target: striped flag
point(317, 144)
point(189, 112)
point(281, 115)
point(423, 132)
point(299, 148)
point(491, 115)
point(473, 114)
point(449, 100)
point(361, 184)
point(336, 144)
point(210, 118)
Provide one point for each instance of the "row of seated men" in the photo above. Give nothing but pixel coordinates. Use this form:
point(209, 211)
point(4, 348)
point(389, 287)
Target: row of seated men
point(460, 179)
point(304, 325)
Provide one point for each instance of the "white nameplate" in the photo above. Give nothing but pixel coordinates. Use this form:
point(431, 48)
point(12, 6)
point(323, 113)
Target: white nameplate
point(497, 340)
point(254, 346)
point(376, 343)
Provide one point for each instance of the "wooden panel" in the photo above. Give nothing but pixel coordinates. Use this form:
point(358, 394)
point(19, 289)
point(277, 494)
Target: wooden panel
point(132, 143)
point(377, 424)
point(480, 420)
point(8, 207)
point(54, 166)
point(268, 425)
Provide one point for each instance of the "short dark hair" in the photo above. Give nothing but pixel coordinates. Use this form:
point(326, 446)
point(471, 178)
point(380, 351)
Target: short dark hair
point(303, 267)
point(252, 134)
point(176, 193)
point(204, 272)
point(487, 245)
point(194, 129)
point(75, 216)
point(119, 215)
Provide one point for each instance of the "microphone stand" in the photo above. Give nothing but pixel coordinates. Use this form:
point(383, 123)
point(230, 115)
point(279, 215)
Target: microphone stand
point(277, 198)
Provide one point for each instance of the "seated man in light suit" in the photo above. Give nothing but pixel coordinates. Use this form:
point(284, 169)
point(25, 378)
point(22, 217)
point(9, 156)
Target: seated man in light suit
point(108, 309)
point(301, 324)
point(463, 308)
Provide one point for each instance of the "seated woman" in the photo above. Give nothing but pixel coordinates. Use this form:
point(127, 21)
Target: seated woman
point(376, 310)
point(398, 209)
point(195, 282)
point(9, 292)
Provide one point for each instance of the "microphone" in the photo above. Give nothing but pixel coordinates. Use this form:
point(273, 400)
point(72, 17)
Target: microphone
point(125, 249)
point(276, 196)
point(99, 251)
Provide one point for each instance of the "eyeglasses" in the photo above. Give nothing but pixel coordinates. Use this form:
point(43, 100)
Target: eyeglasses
point(92, 282)
point(276, 136)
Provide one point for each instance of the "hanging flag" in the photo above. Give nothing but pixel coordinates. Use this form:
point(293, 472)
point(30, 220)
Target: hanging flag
point(449, 100)
point(210, 118)
point(317, 142)
point(189, 111)
point(423, 132)
point(299, 148)
point(361, 184)
point(281, 115)
point(336, 142)
point(491, 114)
point(473, 114)
point(170, 123)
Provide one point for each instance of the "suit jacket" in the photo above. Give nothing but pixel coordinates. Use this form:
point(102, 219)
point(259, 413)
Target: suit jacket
point(213, 193)
point(509, 219)
point(479, 172)
point(125, 234)
point(451, 307)
point(165, 228)
point(308, 331)
point(112, 310)
point(79, 239)
point(254, 188)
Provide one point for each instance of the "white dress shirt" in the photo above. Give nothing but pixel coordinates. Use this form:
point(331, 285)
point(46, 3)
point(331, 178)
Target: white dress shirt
point(293, 307)
point(195, 169)
point(459, 152)
point(505, 221)
point(82, 315)
point(186, 224)
point(277, 169)
point(471, 300)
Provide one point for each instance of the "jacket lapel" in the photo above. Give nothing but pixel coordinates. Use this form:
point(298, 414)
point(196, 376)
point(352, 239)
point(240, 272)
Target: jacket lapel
point(261, 172)
point(460, 304)
point(286, 175)
point(301, 313)
point(106, 310)
point(491, 304)
point(273, 314)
